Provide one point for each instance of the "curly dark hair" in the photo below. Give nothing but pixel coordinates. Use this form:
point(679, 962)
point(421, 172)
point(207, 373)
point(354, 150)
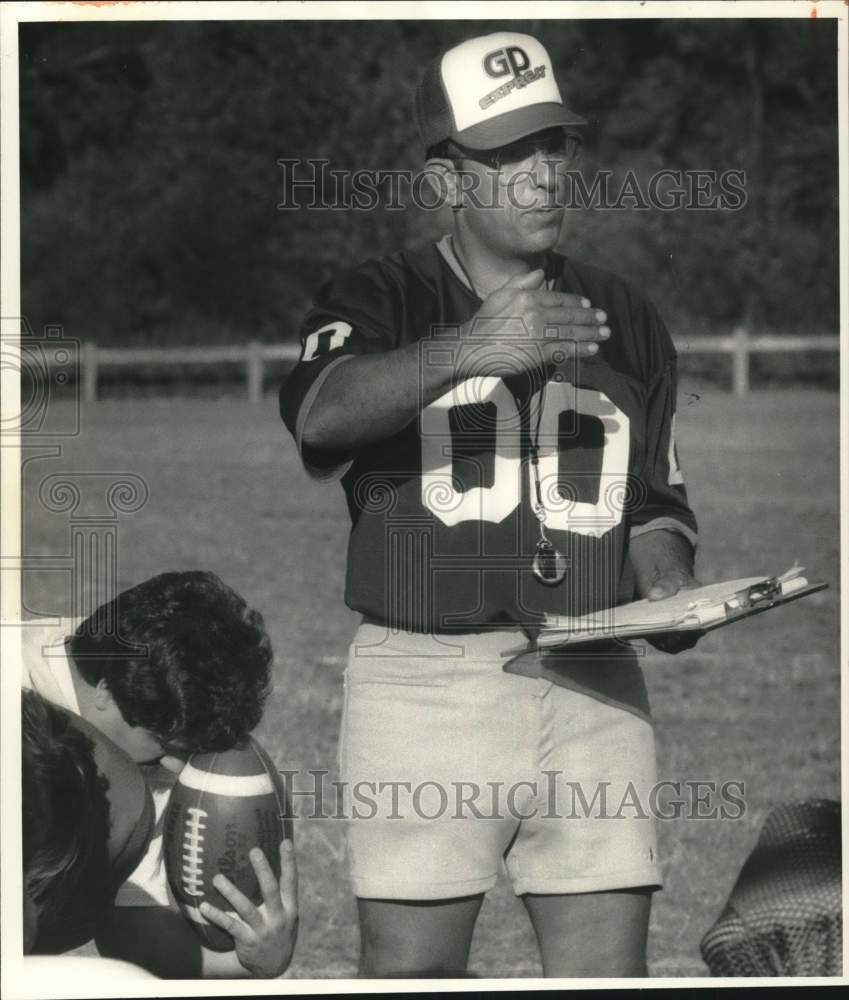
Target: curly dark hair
point(183, 656)
point(65, 820)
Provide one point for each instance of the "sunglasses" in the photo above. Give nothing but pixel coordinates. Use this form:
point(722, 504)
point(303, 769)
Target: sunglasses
point(556, 144)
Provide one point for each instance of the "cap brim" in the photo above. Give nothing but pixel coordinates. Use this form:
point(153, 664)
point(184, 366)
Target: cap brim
point(513, 125)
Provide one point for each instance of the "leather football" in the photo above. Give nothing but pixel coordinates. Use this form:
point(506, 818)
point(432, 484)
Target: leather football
point(222, 806)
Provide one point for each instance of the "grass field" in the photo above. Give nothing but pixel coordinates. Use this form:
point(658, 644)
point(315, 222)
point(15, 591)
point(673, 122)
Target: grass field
point(758, 702)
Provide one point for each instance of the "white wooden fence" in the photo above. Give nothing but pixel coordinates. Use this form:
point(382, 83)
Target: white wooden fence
point(740, 345)
point(253, 356)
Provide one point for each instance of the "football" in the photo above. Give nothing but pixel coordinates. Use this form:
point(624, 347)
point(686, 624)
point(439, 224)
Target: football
point(222, 806)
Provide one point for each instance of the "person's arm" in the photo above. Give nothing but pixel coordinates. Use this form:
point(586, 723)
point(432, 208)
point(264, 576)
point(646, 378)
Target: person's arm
point(373, 396)
point(161, 940)
point(663, 564)
point(663, 532)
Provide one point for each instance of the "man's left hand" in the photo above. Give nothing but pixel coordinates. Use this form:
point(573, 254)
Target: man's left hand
point(665, 586)
point(670, 583)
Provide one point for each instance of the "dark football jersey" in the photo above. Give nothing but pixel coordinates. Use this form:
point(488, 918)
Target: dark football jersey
point(443, 527)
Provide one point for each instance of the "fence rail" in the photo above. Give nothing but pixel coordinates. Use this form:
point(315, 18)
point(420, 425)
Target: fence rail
point(253, 356)
point(740, 345)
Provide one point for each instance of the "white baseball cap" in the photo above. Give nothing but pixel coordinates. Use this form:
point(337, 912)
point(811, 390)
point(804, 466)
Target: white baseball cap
point(490, 91)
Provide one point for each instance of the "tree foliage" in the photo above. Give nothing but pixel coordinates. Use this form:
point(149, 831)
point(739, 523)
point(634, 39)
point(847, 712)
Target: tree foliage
point(150, 184)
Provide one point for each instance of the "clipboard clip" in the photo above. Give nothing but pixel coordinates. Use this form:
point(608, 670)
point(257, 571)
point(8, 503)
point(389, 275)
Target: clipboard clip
point(758, 594)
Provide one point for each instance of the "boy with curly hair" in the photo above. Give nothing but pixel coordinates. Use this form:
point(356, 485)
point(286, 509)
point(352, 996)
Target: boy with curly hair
point(178, 664)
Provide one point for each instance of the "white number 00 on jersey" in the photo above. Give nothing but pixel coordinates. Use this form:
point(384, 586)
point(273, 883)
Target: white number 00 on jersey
point(495, 502)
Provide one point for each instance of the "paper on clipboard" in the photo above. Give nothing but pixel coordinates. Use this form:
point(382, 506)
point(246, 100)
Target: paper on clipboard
point(702, 608)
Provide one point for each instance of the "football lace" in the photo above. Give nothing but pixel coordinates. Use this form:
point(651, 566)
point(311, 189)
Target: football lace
point(192, 869)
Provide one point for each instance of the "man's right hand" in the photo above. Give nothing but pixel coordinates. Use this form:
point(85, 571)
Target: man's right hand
point(522, 326)
point(519, 327)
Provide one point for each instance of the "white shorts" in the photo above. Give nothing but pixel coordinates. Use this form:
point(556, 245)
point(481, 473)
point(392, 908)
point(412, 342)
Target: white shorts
point(450, 765)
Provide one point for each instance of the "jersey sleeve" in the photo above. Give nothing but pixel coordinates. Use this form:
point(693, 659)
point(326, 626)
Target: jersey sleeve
point(146, 883)
point(130, 855)
point(665, 504)
point(356, 314)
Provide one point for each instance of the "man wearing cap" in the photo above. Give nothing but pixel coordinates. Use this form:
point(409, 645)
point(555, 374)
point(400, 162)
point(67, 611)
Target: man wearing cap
point(500, 417)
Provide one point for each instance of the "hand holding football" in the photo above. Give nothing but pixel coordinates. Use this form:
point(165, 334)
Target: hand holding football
point(223, 806)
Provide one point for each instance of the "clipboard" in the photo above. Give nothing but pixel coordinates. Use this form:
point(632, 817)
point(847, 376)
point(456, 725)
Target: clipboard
point(699, 610)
